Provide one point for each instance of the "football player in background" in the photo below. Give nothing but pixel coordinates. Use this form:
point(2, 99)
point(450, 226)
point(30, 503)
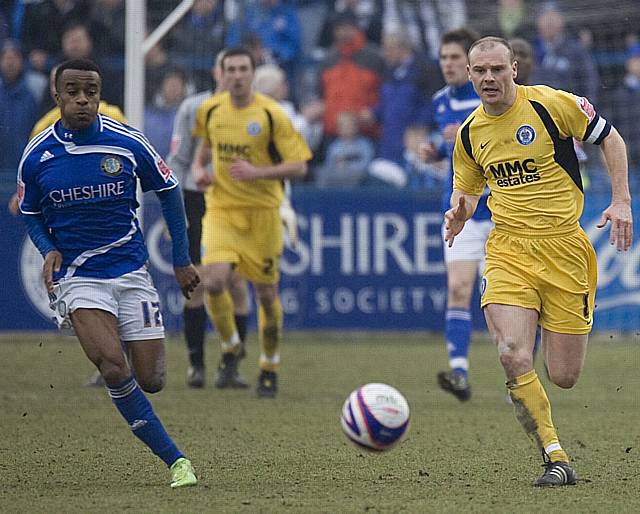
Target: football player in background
point(253, 147)
point(180, 160)
point(72, 177)
point(541, 267)
point(451, 106)
point(523, 53)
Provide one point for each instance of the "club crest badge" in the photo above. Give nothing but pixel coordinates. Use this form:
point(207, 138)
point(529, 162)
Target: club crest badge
point(525, 135)
point(253, 129)
point(111, 165)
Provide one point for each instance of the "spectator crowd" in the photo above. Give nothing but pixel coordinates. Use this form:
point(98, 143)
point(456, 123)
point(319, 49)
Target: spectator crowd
point(358, 76)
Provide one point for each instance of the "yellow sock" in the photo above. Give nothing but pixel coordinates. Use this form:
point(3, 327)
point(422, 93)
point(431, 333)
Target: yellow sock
point(270, 322)
point(533, 411)
point(220, 308)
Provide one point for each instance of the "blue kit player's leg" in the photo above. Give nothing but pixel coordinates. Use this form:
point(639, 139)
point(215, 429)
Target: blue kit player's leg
point(465, 261)
point(536, 346)
point(461, 277)
point(458, 336)
point(98, 333)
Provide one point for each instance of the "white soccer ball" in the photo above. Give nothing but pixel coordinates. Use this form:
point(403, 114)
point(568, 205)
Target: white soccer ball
point(375, 417)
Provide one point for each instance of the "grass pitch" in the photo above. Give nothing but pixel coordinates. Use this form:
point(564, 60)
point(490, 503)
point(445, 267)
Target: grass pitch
point(65, 449)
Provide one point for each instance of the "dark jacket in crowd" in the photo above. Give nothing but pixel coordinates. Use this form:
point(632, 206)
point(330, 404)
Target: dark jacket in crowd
point(567, 66)
point(44, 23)
point(18, 113)
point(405, 99)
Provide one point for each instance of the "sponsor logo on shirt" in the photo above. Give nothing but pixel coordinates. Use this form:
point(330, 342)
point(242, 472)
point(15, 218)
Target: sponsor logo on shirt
point(46, 155)
point(164, 169)
point(585, 106)
point(20, 191)
point(90, 192)
point(515, 173)
point(228, 152)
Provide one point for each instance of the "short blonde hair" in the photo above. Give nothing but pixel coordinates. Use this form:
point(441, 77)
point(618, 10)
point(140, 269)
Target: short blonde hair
point(488, 42)
point(268, 78)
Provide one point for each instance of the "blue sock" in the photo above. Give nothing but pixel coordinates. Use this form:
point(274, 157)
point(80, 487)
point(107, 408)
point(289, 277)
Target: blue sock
point(457, 332)
point(145, 425)
point(536, 345)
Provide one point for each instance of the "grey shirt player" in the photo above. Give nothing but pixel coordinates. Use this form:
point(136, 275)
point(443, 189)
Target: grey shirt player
point(183, 144)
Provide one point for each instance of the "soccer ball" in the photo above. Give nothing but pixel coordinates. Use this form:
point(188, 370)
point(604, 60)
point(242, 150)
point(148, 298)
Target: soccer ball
point(375, 417)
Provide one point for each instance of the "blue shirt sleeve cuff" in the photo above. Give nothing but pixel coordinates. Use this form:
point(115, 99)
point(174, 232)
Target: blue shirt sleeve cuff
point(39, 234)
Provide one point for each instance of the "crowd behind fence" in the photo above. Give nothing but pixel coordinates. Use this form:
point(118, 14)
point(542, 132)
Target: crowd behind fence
point(349, 67)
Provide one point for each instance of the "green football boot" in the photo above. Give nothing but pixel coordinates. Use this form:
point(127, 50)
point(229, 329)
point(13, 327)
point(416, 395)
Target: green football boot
point(182, 474)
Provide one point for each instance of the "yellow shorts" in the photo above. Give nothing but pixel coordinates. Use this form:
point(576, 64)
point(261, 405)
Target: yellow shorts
point(251, 239)
point(556, 276)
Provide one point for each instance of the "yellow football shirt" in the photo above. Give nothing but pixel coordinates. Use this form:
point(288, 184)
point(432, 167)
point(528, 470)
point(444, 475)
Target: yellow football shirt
point(260, 133)
point(113, 111)
point(527, 158)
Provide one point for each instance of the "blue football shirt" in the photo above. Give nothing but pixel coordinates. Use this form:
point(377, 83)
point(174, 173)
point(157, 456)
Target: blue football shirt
point(453, 105)
point(83, 184)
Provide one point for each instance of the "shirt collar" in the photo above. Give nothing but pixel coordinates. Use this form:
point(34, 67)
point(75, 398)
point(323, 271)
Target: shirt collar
point(76, 136)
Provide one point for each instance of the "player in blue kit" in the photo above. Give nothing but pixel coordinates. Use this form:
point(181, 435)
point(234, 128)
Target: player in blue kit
point(77, 189)
point(451, 106)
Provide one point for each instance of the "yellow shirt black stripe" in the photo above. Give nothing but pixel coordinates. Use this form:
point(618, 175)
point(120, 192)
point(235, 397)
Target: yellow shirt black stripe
point(260, 133)
point(527, 158)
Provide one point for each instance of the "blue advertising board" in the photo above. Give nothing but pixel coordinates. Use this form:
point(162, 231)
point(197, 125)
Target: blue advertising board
point(366, 260)
point(369, 259)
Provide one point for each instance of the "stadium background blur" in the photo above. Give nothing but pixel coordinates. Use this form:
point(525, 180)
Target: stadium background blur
point(370, 257)
point(598, 56)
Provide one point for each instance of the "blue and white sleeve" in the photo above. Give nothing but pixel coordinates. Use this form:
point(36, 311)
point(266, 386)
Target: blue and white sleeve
point(30, 197)
point(153, 172)
point(29, 193)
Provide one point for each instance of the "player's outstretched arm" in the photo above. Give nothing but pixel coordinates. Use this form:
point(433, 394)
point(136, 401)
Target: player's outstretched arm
point(173, 212)
point(462, 208)
point(619, 211)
